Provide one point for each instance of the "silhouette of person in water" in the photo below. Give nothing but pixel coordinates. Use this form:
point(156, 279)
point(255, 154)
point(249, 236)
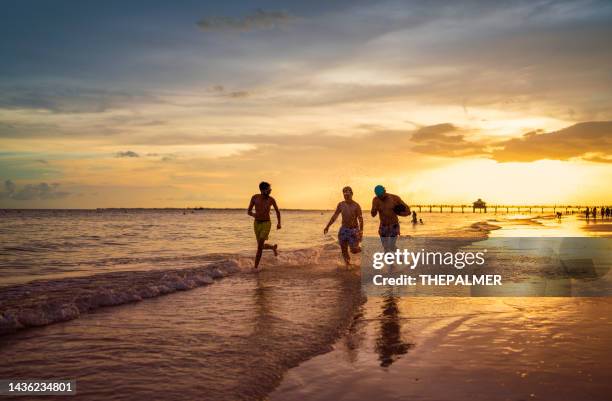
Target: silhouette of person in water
point(351, 230)
point(388, 207)
point(586, 213)
point(594, 212)
point(262, 224)
point(414, 218)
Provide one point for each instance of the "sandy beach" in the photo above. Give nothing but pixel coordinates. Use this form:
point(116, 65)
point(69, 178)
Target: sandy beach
point(464, 349)
point(468, 348)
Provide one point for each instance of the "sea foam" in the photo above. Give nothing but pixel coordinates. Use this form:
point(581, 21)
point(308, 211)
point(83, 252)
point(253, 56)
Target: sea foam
point(42, 302)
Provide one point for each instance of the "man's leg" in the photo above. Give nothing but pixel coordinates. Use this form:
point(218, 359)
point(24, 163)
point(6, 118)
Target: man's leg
point(260, 246)
point(272, 247)
point(353, 241)
point(261, 232)
point(387, 244)
point(392, 246)
point(383, 242)
point(393, 234)
point(387, 238)
point(345, 253)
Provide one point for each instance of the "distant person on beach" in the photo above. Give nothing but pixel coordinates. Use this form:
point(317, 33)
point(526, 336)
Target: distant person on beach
point(586, 213)
point(421, 221)
point(594, 212)
point(351, 230)
point(388, 207)
point(414, 217)
point(262, 224)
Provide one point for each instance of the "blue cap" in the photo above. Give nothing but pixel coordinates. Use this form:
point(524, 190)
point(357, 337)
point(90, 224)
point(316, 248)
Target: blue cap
point(379, 190)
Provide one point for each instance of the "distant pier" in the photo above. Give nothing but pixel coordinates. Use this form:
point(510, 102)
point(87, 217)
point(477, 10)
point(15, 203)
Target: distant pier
point(470, 208)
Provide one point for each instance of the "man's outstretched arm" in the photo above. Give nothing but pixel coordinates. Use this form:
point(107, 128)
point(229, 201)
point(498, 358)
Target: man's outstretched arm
point(278, 218)
point(332, 220)
point(360, 220)
point(374, 208)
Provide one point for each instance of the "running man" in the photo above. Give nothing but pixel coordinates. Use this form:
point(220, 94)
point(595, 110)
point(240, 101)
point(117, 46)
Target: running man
point(351, 231)
point(262, 224)
point(388, 207)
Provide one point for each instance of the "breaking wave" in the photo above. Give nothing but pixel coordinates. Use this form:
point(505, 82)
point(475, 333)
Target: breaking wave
point(43, 302)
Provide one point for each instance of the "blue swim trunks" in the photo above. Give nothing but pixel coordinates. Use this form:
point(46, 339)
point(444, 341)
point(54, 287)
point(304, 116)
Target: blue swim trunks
point(349, 235)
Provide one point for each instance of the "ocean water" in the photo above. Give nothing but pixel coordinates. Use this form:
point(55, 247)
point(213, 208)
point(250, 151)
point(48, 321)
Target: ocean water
point(235, 339)
point(37, 244)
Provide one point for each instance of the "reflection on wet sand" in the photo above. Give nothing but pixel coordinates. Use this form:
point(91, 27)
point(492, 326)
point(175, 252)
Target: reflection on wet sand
point(263, 317)
point(389, 343)
point(519, 348)
point(354, 338)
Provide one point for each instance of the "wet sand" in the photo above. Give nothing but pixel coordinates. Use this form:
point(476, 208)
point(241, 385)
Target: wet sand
point(465, 349)
point(469, 348)
point(598, 228)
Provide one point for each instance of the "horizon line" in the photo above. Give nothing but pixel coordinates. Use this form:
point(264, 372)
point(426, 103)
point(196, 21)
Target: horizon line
point(433, 205)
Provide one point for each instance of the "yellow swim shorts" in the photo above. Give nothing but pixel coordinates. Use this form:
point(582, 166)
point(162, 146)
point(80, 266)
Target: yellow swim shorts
point(262, 229)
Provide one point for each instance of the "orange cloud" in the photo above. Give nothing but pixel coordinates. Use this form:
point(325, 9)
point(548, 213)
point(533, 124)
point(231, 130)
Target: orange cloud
point(591, 141)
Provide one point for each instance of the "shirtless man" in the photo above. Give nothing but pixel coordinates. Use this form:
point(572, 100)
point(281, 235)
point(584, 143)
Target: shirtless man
point(262, 224)
point(351, 231)
point(388, 207)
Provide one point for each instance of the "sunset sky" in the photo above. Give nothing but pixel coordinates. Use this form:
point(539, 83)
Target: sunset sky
point(192, 103)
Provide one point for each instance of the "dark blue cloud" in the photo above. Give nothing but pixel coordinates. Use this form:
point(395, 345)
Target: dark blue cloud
point(78, 56)
point(127, 153)
point(98, 40)
point(41, 191)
